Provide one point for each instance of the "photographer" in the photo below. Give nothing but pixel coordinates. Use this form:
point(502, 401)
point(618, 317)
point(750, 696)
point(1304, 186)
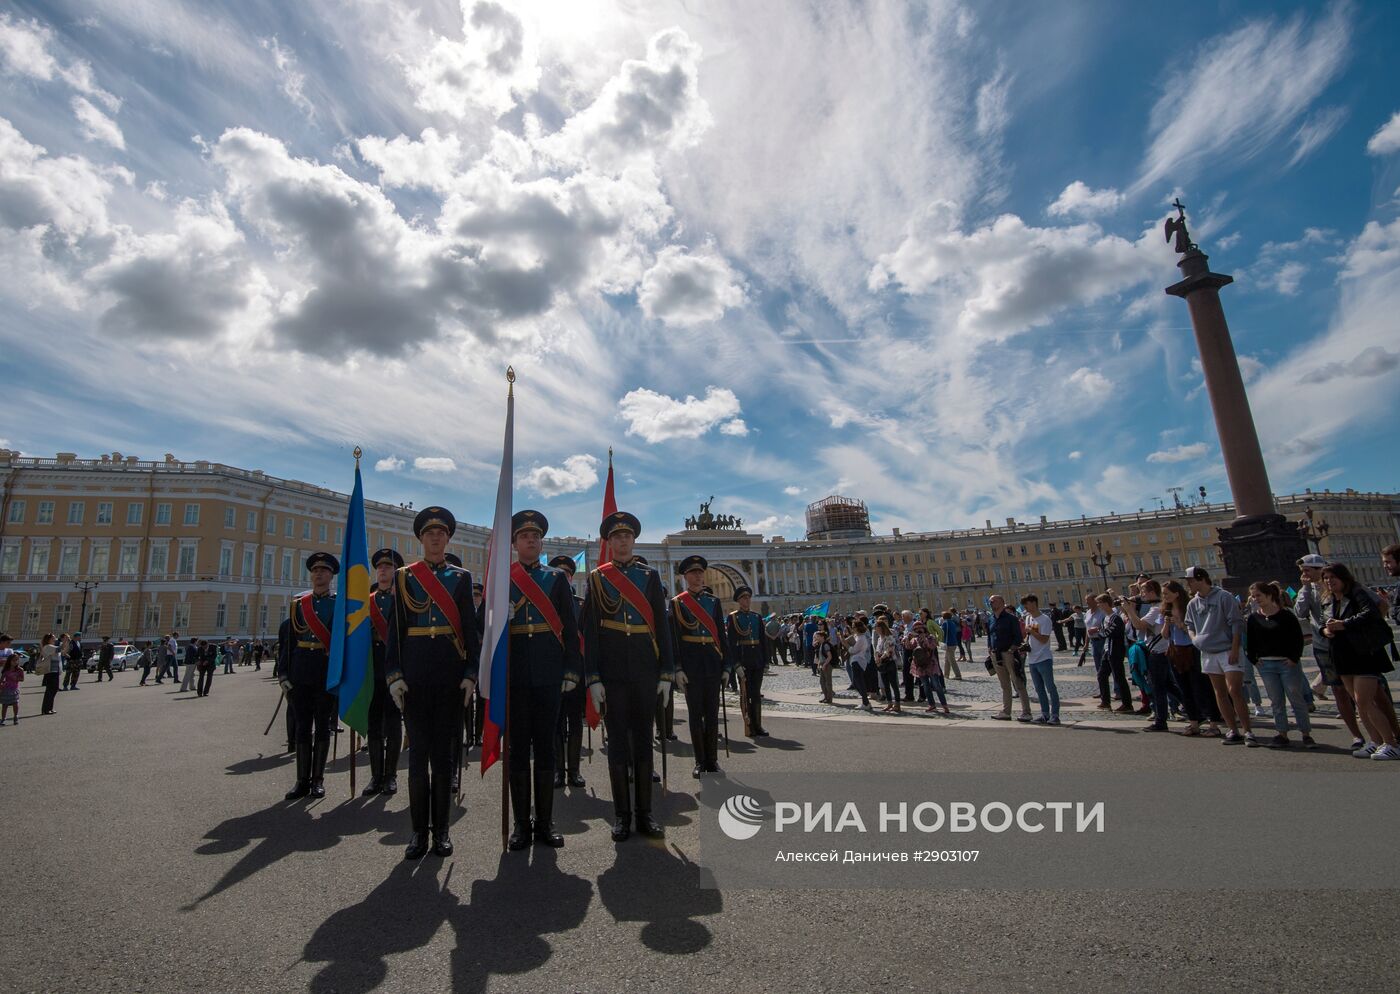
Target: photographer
point(1040, 659)
point(1004, 640)
point(1109, 635)
point(1148, 626)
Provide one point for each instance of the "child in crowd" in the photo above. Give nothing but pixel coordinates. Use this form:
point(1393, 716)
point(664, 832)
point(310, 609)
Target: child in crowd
point(10, 677)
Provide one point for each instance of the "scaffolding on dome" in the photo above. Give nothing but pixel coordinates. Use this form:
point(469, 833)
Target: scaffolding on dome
point(837, 517)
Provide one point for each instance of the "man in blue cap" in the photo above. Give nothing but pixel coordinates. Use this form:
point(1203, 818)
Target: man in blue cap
point(431, 667)
point(702, 660)
point(385, 722)
point(308, 656)
point(628, 667)
point(544, 663)
point(568, 740)
point(748, 642)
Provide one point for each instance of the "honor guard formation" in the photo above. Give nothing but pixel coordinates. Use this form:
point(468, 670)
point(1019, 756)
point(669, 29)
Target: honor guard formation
point(618, 652)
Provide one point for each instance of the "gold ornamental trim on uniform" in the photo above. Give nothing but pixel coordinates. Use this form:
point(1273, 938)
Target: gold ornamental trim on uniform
point(309, 645)
point(533, 629)
point(702, 639)
point(431, 631)
point(748, 641)
point(624, 627)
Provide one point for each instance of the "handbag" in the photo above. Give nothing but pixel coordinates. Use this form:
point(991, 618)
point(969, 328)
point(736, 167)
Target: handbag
point(1181, 657)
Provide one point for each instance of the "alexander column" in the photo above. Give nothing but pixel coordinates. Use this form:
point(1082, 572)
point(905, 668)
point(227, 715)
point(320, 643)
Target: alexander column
point(1260, 544)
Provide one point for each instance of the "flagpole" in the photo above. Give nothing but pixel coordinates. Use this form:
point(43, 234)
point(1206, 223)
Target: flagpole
point(505, 728)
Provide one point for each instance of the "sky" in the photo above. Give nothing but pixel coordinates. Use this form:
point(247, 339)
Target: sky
point(905, 252)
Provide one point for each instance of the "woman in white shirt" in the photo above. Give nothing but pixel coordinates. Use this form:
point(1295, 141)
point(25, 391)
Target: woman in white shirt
point(887, 658)
point(861, 654)
point(50, 664)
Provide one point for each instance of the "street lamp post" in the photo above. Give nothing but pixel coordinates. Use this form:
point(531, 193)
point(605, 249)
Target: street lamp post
point(84, 586)
point(1311, 531)
point(1101, 560)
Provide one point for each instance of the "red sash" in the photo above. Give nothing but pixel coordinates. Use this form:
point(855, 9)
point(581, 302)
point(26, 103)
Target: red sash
point(629, 593)
point(381, 623)
point(435, 590)
point(527, 586)
point(701, 615)
point(314, 622)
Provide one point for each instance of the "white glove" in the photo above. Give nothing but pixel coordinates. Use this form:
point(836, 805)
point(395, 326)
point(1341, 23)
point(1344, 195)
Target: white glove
point(287, 685)
point(681, 680)
point(397, 690)
point(468, 685)
point(596, 692)
point(569, 685)
point(663, 692)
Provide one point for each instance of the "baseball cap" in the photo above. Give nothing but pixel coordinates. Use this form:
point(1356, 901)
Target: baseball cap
point(1312, 559)
point(1195, 573)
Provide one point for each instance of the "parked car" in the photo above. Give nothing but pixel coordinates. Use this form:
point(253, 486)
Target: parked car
point(122, 657)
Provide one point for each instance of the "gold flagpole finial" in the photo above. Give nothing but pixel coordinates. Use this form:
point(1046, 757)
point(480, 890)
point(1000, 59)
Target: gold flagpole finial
point(358, 453)
point(510, 378)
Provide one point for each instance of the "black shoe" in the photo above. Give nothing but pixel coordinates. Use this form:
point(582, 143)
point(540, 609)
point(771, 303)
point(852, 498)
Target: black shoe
point(390, 786)
point(418, 848)
point(622, 828)
point(302, 788)
point(547, 836)
point(520, 838)
point(648, 826)
point(761, 733)
point(558, 779)
point(699, 769)
point(372, 788)
point(577, 782)
point(442, 844)
point(673, 737)
point(714, 768)
point(655, 777)
point(318, 788)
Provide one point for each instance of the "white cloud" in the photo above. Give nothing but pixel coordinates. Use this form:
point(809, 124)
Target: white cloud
point(579, 473)
point(1179, 453)
point(792, 491)
point(1090, 383)
point(735, 427)
point(489, 70)
point(1313, 133)
point(292, 79)
point(435, 464)
point(1075, 456)
point(389, 464)
point(1008, 276)
point(23, 47)
point(432, 162)
point(97, 126)
point(656, 417)
point(1079, 199)
point(684, 289)
point(1387, 137)
point(1289, 278)
point(1271, 72)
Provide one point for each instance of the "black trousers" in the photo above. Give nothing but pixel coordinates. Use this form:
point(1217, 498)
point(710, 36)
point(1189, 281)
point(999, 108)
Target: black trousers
point(206, 680)
point(532, 720)
point(385, 721)
point(629, 711)
point(145, 671)
point(568, 739)
point(1120, 679)
point(434, 719)
point(50, 692)
point(314, 709)
point(753, 694)
point(702, 702)
point(909, 677)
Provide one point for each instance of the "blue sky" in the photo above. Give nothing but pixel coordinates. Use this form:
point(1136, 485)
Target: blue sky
point(908, 253)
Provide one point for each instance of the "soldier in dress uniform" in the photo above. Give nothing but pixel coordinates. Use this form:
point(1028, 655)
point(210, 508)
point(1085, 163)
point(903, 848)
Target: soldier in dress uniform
point(279, 671)
point(385, 722)
point(434, 646)
point(545, 662)
point(702, 660)
point(308, 656)
point(568, 740)
point(628, 666)
point(748, 643)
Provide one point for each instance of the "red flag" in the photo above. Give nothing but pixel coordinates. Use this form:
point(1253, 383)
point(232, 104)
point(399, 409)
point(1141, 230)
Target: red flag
point(590, 713)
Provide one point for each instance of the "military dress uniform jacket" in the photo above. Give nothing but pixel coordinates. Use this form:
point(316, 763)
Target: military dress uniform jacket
point(616, 642)
point(423, 648)
point(384, 601)
point(696, 651)
point(748, 640)
point(308, 659)
point(537, 658)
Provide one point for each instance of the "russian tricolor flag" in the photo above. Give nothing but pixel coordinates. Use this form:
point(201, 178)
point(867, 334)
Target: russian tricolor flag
point(495, 638)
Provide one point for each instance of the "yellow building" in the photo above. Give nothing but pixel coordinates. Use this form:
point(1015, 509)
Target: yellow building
point(212, 550)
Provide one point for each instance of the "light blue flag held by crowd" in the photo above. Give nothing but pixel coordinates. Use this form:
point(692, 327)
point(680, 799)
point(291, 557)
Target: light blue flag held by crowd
point(349, 675)
point(818, 610)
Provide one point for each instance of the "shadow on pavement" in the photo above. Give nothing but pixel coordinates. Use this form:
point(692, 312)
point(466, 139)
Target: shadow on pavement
point(661, 889)
point(260, 764)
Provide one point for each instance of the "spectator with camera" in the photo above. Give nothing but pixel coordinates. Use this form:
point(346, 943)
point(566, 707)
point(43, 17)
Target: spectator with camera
point(1040, 659)
point(1004, 641)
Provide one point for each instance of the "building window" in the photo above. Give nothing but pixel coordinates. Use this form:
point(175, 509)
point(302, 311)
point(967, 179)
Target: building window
point(101, 558)
point(16, 513)
point(160, 559)
point(1137, 564)
point(306, 531)
point(152, 618)
point(918, 559)
point(39, 560)
point(962, 555)
point(31, 620)
point(162, 514)
point(908, 582)
point(1134, 540)
point(1052, 546)
point(1069, 568)
point(288, 528)
point(9, 559)
point(61, 615)
point(267, 565)
point(1040, 570)
point(250, 521)
point(45, 513)
point(948, 575)
point(286, 567)
point(323, 534)
point(229, 517)
point(1023, 551)
point(220, 615)
point(104, 513)
point(1189, 533)
point(123, 623)
point(1152, 538)
point(191, 514)
point(1081, 545)
point(1011, 571)
point(262, 618)
point(1055, 570)
point(182, 617)
point(1157, 562)
point(1176, 562)
point(134, 513)
point(247, 562)
point(186, 564)
point(225, 561)
point(75, 512)
point(996, 574)
point(93, 621)
point(243, 617)
point(271, 524)
point(967, 575)
point(981, 574)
